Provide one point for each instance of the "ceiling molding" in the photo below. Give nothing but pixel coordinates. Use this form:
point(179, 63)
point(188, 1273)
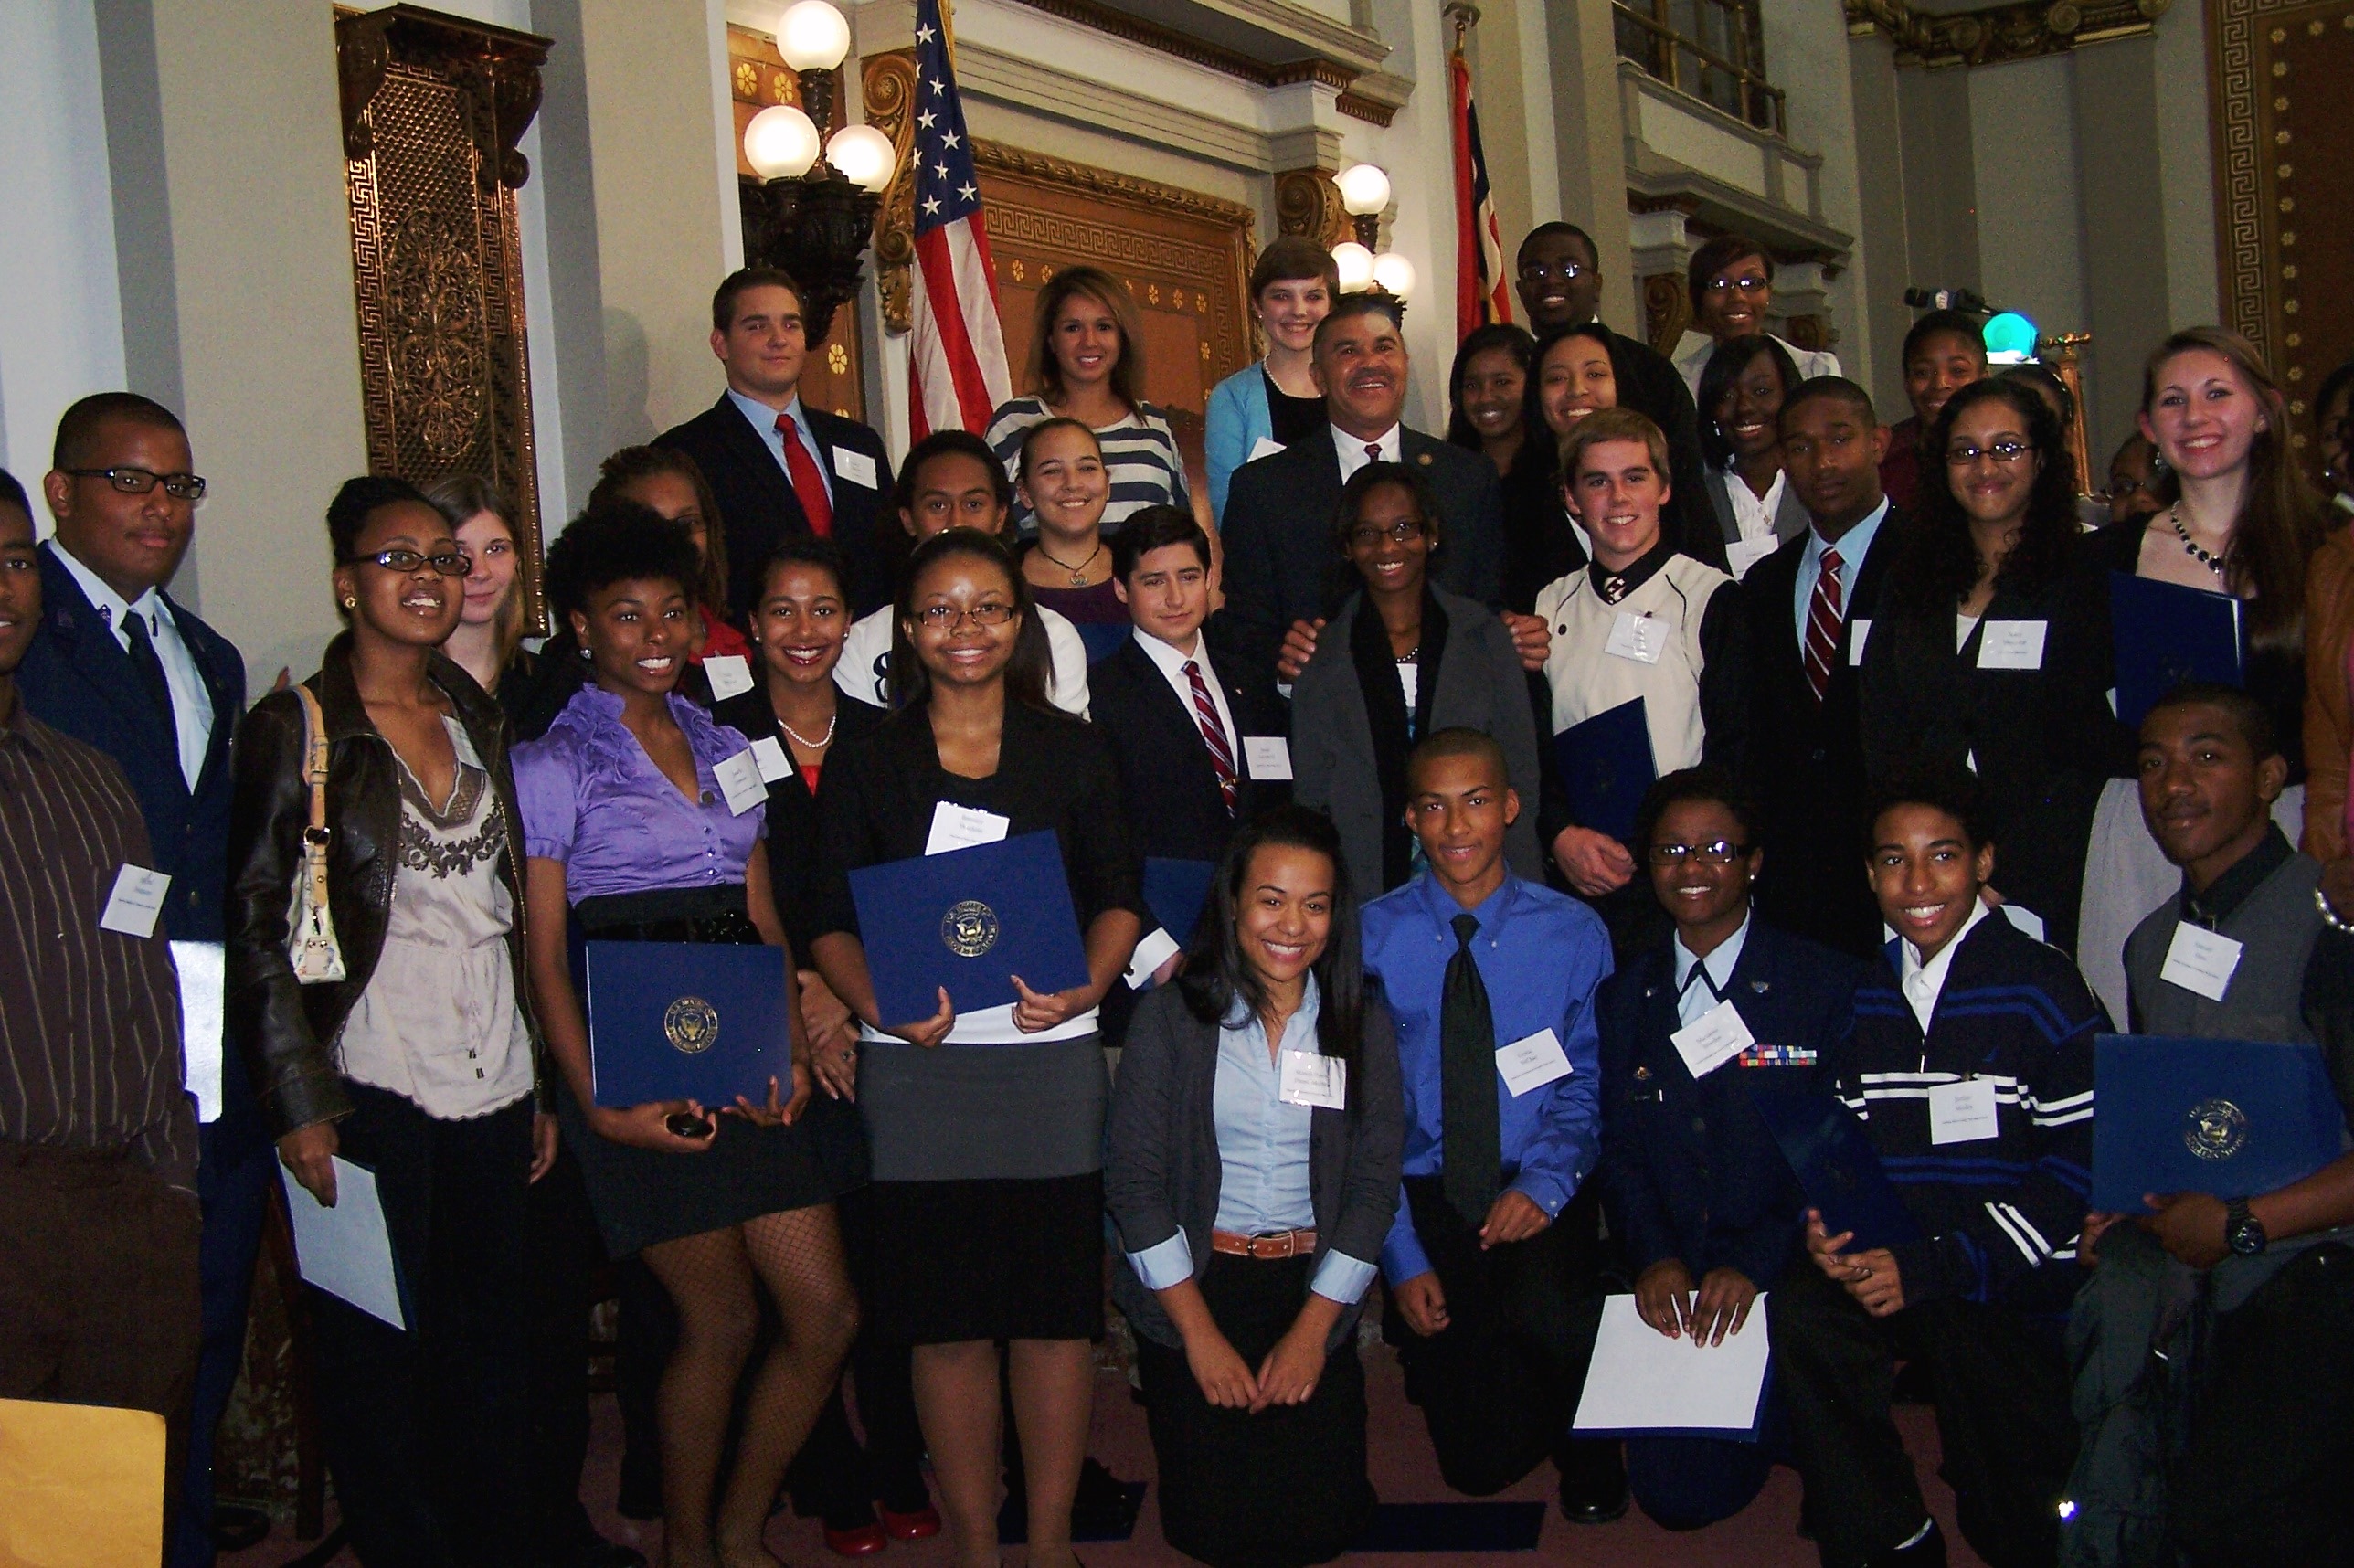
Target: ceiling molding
point(1999, 35)
point(1342, 58)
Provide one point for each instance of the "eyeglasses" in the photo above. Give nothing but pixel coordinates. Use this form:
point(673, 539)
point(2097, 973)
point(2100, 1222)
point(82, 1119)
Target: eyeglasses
point(2002, 451)
point(449, 563)
point(1368, 536)
point(140, 481)
point(949, 618)
point(1722, 852)
point(1748, 283)
point(2122, 490)
point(1542, 272)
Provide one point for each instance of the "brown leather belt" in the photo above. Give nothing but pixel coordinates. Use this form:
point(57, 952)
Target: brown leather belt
point(1282, 1244)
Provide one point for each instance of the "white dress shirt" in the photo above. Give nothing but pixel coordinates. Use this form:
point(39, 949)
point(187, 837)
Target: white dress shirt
point(1753, 514)
point(1852, 545)
point(1695, 999)
point(1921, 982)
point(1171, 661)
point(1352, 451)
point(763, 420)
point(192, 705)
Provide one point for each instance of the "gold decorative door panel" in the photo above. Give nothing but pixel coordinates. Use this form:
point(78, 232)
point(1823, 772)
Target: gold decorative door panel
point(2284, 138)
point(433, 107)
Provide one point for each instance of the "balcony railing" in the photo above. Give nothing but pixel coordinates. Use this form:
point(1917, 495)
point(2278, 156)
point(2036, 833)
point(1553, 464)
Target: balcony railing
point(1710, 49)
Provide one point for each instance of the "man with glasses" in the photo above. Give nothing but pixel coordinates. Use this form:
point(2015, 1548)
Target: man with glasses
point(118, 665)
point(1730, 281)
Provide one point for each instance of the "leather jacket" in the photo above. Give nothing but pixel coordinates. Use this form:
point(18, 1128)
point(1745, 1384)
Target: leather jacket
point(288, 1031)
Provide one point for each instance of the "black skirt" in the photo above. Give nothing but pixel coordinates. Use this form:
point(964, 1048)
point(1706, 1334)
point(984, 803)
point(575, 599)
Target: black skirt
point(643, 1196)
point(1279, 1490)
point(987, 1259)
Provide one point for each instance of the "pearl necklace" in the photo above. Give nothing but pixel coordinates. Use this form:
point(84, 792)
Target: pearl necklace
point(804, 741)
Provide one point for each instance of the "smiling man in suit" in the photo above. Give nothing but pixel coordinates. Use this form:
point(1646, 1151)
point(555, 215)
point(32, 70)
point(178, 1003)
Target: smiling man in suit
point(1283, 577)
point(779, 468)
point(117, 665)
point(1811, 607)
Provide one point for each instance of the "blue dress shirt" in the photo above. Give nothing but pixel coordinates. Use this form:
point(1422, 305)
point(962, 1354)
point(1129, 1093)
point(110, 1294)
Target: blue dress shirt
point(1543, 956)
point(1262, 1146)
point(1853, 546)
point(1695, 999)
point(764, 421)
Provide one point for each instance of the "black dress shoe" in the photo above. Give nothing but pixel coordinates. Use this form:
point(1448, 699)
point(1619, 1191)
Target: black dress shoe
point(1929, 1551)
point(1592, 1483)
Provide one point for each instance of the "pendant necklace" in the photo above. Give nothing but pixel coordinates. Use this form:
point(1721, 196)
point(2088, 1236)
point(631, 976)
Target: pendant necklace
point(1079, 572)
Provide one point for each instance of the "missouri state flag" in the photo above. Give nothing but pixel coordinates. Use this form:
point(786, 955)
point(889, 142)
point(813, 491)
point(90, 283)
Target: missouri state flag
point(1481, 295)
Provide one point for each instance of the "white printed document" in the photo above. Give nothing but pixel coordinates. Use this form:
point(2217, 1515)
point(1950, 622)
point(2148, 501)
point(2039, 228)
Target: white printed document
point(346, 1251)
point(1641, 1381)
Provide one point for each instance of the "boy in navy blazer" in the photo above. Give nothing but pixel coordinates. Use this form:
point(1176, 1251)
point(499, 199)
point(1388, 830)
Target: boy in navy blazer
point(119, 666)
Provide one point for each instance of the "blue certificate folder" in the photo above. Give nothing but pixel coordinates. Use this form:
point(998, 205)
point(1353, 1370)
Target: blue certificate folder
point(2165, 634)
point(1833, 1157)
point(968, 919)
point(1177, 891)
point(2228, 1117)
point(1606, 766)
point(673, 1021)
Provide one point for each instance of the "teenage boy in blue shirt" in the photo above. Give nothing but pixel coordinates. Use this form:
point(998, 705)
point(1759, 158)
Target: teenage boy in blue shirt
point(1491, 982)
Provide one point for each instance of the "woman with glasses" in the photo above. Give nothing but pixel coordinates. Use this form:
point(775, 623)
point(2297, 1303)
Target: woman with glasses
point(629, 837)
point(1992, 650)
point(1693, 1179)
point(985, 1120)
point(1401, 659)
point(1730, 281)
point(418, 1061)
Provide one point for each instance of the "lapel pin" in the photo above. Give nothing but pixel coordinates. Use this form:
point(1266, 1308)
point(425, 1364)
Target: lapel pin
point(1642, 1073)
point(1760, 987)
point(1423, 460)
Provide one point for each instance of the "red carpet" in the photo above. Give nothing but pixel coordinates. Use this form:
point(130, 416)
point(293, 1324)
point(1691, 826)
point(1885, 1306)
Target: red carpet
point(1403, 1470)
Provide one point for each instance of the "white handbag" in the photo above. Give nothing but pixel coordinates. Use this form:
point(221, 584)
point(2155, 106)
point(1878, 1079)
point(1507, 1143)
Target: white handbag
point(311, 945)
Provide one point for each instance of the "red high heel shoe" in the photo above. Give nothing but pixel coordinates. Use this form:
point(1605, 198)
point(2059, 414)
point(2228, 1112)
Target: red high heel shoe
point(923, 1523)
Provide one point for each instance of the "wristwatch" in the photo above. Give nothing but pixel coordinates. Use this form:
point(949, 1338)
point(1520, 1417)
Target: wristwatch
point(2242, 1232)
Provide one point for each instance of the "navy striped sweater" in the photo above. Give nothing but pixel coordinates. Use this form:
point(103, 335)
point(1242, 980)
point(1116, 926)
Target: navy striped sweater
point(2002, 1214)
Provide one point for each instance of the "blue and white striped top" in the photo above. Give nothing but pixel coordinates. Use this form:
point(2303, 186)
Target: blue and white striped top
point(1140, 454)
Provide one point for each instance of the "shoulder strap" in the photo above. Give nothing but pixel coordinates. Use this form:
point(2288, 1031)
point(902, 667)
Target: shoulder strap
point(314, 772)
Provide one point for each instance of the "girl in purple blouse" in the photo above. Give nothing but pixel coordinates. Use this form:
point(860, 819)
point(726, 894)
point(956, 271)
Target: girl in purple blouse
point(628, 837)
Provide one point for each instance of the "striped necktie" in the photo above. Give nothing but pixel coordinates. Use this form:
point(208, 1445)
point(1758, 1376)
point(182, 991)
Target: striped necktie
point(1214, 736)
point(1823, 623)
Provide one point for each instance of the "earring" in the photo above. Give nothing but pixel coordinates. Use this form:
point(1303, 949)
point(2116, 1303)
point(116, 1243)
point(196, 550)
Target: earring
point(350, 603)
point(586, 654)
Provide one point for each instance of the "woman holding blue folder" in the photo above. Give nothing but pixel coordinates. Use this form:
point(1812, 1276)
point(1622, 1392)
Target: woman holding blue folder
point(630, 839)
point(985, 1120)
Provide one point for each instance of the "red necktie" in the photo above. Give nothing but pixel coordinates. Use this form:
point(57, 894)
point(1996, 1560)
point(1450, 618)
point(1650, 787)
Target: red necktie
point(1823, 621)
point(809, 486)
point(1214, 736)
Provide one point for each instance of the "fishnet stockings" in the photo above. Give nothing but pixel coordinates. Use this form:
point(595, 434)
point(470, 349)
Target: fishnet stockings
point(797, 1257)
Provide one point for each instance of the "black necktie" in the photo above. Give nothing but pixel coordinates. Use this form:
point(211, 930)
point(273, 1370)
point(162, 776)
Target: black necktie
point(150, 670)
point(1467, 1083)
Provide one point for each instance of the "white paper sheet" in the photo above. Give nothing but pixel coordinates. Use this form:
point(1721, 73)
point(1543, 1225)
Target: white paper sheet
point(956, 827)
point(345, 1251)
point(729, 674)
point(202, 967)
point(1641, 1381)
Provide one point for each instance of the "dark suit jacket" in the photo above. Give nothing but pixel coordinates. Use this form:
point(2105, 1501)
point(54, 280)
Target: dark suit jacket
point(1807, 756)
point(77, 679)
point(1162, 1170)
point(1690, 1168)
point(1790, 519)
point(1284, 564)
point(1167, 781)
point(759, 510)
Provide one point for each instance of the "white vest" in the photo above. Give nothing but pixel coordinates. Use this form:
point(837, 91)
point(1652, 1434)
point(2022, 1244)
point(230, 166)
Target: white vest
point(1586, 681)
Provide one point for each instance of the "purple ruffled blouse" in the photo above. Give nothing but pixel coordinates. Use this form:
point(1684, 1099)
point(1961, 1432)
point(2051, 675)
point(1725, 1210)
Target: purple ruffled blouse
point(591, 798)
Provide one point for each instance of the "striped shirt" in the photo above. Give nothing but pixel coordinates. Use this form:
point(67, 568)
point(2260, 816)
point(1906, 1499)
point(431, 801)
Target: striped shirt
point(90, 1020)
point(1139, 455)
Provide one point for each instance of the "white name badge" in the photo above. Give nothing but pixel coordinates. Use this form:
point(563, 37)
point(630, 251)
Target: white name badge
point(729, 676)
point(1743, 554)
point(137, 899)
point(1963, 1112)
point(1636, 637)
point(1265, 446)
point(2201, 961)
point(740, 782)
point(956, 827)
point(202, 969)
point(1154, 949)
point(1858, 630)
point(1719, 1036)
point(1532, 1063)
point(855, 467)
point(2010, 645)
point(1311, 1078)
point(1266, 757)
point(768, 752)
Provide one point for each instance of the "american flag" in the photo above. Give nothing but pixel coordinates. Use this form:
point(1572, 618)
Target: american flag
point(1480, 294)
point(956, 374)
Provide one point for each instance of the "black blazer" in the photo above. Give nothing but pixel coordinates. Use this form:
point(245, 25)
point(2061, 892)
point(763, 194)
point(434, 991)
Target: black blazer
point(1168, 783)
point(1807, 756)
point(1284, 564)
point(792, 841)
point(2044, 741)
point(1162, 1170)
point(757, 506)
point(1689, 1169)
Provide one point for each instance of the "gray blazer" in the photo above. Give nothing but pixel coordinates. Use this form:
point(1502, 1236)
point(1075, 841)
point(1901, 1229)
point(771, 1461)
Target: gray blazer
point(1481, 686)
point(1790, 518)
point(1162, 1170)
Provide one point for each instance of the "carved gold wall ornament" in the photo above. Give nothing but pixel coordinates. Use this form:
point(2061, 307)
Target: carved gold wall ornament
point(887, 87)
point(1995, 34)
point(1308, 203)
point(433, 109)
